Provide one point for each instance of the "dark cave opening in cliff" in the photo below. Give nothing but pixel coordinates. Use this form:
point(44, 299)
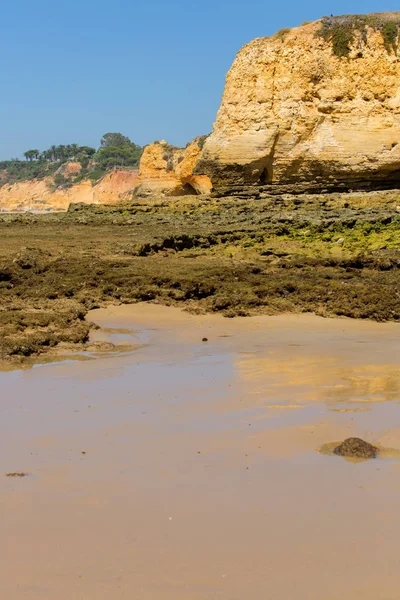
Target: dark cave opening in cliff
point(265, 177)
point(189, 190)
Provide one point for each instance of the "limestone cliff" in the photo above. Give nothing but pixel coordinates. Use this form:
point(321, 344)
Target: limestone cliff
point(311, 108)
point(168, 171)
point(164, 171)
point(44, 195)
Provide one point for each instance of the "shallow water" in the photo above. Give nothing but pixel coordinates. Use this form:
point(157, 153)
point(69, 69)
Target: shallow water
point(201, 477)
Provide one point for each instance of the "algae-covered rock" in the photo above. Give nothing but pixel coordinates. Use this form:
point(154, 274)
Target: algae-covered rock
point(356, 448)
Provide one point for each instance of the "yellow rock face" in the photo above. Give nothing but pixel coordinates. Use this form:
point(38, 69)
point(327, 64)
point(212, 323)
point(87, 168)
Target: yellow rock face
point(164, 171)
point(70, 169)
point(167, 170)
point(186, 165)
point(41, 195)
point(294, 113)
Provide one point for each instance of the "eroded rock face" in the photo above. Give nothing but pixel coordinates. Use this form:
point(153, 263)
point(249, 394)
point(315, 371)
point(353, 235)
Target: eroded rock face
point(43, 195)
point(168, 171)
point(296, 116)
point(69, 169)
point(356, 448)
point(164, 171)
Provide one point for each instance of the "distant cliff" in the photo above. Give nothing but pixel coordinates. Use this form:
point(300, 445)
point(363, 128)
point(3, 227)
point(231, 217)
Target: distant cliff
point(312, 108)
point(164, 171)
point(44, 194)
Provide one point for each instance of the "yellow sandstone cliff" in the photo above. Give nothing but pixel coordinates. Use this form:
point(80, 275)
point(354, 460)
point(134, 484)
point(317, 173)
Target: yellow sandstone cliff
point(168, 171)
point(43, 195)
point(314, 107)
point(164, 171)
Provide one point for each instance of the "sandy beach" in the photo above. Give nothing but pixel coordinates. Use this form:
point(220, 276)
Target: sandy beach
point(189, 470)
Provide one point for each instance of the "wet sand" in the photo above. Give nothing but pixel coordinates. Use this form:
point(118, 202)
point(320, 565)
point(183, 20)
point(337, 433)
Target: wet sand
point(189, 470)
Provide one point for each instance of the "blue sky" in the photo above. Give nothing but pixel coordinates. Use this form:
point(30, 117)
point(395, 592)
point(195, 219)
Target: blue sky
point(71, 71)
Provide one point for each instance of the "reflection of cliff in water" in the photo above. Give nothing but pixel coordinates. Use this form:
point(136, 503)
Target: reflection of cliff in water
point(315, 377)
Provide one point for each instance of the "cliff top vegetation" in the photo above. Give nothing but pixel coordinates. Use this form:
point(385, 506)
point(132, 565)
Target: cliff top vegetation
point(343, 32)
point(115, 151)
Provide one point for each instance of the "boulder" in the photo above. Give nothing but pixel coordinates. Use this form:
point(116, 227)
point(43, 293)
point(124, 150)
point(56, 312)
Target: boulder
point(356, 448)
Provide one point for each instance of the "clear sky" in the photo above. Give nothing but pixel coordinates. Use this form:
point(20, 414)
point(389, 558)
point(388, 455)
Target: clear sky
point(73, 70)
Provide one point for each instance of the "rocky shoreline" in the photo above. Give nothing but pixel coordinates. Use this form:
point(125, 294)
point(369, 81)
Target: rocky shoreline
point(291, 204)
point(333, 255)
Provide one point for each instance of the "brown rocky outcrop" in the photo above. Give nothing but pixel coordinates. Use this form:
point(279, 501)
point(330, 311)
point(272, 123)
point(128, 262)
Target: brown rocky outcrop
point(312, 108)
point(168, 171)
point(356, 448)
point(44, 195)
point(69, 169)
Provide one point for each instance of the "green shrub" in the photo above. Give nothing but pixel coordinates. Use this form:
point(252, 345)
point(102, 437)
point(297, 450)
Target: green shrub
point(59, 179)
point(390, 34)
point(110, 157)
point(80, 177)
point(96, 175)
point(282, 33)
point(343, 31)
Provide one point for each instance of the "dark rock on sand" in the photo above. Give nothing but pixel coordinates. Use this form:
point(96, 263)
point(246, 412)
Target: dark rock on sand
point(356, 448)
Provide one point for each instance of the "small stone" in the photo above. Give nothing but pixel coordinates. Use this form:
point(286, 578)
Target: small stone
point(356, 448)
